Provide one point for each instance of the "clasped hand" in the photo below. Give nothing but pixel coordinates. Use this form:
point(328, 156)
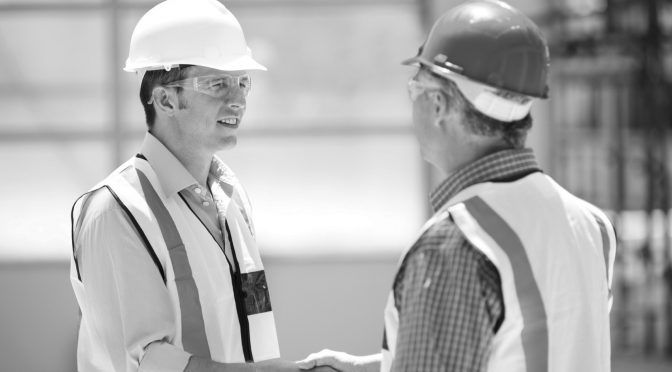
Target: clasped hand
point(340, 361)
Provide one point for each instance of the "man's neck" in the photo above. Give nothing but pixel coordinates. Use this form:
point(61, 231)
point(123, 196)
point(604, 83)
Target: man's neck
point(451, 163)
point(196, 161)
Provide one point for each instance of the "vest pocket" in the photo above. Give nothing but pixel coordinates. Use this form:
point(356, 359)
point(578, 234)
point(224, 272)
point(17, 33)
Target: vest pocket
point(255, 292)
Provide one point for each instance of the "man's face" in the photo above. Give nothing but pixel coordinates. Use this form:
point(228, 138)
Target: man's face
point(421, 88)
point(209, 116)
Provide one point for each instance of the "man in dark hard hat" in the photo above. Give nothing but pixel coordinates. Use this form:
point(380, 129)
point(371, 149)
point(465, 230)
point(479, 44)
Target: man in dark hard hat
point(512, 273)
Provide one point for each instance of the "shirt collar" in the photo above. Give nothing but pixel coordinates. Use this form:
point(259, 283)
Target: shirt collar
point(503, 165)
point(221, 172)
point(172, 175)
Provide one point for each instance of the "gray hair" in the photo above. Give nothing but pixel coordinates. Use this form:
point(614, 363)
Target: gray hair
point(512, 133)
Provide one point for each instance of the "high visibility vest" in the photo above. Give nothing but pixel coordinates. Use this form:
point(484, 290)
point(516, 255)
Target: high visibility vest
point(555, 254)
point(221, 314)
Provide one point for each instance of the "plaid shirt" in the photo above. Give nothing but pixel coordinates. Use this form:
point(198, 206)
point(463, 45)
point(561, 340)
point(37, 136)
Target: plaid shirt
point(447, 293)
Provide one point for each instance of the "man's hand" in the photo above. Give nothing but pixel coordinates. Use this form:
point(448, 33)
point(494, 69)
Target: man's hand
point(341, 361)
point(279, 365)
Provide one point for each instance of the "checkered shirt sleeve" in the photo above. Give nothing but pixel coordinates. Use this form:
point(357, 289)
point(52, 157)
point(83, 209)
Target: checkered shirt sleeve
point(448, 295)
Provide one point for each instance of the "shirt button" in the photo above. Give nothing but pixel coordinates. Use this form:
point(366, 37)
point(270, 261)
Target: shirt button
point(198, 190)
point(205, 203)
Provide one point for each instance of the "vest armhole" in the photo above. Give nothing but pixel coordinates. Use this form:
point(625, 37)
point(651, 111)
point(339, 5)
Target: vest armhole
point(73, 227)
point(141, 233)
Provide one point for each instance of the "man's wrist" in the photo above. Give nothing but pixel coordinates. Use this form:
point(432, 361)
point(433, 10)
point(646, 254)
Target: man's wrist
point(368, 363)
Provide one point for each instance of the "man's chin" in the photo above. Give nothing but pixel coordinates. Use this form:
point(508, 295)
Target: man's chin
point(228, 143)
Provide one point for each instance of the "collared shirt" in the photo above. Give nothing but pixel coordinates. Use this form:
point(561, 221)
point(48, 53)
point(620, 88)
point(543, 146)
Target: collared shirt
point(123, 286)
point(447, 293)
point(176, 179)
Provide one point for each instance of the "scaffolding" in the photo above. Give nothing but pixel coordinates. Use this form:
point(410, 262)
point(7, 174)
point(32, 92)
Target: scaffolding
point(611, 122)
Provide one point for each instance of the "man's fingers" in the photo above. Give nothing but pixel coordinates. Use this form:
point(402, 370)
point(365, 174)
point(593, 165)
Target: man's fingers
point(309, 361)
point(325, 369)
point(306, 363)
point(322, 358)
point(323, 361)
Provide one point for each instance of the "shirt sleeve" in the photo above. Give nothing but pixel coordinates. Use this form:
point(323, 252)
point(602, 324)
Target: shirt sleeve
point(128, 315)
point(450, 305)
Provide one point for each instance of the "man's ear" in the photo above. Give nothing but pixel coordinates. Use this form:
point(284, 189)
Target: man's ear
point(164, 100)
point(439, 106)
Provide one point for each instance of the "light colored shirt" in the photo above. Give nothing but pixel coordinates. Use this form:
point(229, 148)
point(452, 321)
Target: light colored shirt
point(125, 294)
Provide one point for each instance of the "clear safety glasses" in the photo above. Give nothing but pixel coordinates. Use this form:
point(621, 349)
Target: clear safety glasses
point(416, 88)
point(216, 86)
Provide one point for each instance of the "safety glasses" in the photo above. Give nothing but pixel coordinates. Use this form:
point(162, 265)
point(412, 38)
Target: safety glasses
point(216, 86)
point(417, 88)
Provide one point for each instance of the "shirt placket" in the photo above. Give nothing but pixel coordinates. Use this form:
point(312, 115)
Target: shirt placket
point(205, 200)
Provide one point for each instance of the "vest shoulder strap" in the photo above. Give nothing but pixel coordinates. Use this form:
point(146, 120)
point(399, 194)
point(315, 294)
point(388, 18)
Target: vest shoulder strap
point(137, 192)
point(75, 221)
point(480, 222)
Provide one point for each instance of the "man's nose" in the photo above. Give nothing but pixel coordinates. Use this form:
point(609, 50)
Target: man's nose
point(237, 106)
point(237, 101)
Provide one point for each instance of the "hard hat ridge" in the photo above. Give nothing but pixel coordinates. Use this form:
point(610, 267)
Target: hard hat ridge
point(194, 32)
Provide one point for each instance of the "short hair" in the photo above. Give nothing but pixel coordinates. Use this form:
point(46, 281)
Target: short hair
point(152, 79)
point(513, 133)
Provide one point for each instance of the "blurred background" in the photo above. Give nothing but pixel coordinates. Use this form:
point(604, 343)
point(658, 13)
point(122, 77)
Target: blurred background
point(328, 156)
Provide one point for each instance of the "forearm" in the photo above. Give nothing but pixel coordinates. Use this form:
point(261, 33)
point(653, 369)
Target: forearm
point(369, 363)
point(197, 364)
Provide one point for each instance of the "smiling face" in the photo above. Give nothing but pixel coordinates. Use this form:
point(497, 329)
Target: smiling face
point(206, 122)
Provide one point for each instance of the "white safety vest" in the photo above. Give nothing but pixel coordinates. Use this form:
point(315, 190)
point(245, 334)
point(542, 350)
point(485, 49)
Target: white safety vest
point(220, 314)
point(555, 255)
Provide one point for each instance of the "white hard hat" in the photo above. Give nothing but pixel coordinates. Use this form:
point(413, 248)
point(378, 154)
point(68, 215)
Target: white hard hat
point(193, 32)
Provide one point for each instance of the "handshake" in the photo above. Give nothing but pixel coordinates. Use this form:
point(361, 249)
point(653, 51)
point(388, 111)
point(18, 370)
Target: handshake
point(340, 361)
point(325, 361)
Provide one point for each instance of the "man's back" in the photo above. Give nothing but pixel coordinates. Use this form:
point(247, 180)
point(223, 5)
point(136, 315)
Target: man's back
point(552, 251)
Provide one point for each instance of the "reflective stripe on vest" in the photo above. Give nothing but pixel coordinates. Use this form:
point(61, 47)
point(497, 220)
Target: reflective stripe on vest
point(536, 233)
point(134, 186)
point(194, 339)
point(257, 337)
point(535, 330)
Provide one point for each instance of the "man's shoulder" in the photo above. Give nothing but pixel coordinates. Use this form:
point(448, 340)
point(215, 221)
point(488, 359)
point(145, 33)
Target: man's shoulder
point(98, 203)
point(100, 199)
point(441, 240)
point(442, 234)
point(442, 246)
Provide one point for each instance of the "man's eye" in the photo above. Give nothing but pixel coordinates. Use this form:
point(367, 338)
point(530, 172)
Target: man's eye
point(218, 84)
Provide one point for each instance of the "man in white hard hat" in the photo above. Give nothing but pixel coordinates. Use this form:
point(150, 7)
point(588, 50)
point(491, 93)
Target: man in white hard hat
point(166, 268)
point(512, 273)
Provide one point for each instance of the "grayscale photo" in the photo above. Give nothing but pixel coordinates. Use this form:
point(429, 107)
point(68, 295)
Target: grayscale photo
point(336, 185)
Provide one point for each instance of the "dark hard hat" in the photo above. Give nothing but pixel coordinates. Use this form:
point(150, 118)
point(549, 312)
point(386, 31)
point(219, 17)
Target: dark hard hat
point(492, 43)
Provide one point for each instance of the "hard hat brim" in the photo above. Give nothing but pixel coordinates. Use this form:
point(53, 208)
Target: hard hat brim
point(413, 61)
point(243, 63)
point(484, 98)
point(239, 64)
